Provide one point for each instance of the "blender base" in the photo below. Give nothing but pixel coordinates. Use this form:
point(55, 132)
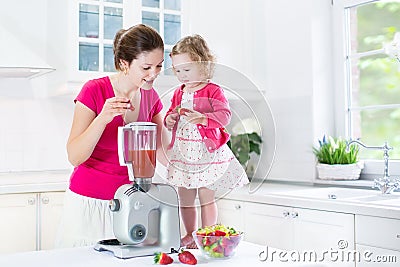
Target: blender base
point(130, 251)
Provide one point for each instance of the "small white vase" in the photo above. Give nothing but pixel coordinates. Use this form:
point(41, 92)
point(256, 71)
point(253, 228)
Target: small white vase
point(340, 171)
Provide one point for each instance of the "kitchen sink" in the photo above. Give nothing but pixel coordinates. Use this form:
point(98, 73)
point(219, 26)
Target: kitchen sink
point(332, 193)
point(382, 199)
point(346, 194)
point(389, 202)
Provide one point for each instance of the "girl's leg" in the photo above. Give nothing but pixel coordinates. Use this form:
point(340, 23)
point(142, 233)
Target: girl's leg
point(209, 211)
point(188, 213)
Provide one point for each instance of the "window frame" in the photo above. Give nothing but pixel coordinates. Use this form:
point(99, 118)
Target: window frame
point(132, 14)
point(162, 11)
point(373, 168)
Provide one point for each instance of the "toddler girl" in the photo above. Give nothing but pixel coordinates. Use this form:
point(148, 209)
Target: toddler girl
point(200, 162)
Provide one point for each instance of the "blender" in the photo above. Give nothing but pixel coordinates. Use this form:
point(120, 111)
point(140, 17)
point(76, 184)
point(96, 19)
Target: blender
point(145, 215)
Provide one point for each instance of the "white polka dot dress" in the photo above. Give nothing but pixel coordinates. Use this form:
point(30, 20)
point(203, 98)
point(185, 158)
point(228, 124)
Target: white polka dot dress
point(191, 165)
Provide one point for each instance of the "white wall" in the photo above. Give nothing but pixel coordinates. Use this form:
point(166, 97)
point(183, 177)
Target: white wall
point(283, 47)
point(34, 129)
point(34, 124)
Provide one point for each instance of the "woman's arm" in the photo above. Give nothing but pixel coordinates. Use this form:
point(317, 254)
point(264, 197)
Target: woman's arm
point(85, 133)
point(87, 128)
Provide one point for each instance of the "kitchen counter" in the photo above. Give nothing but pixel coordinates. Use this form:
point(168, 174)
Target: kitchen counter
point(35, 181)
point(269, 192)
point(247, 255)
point(285, 194)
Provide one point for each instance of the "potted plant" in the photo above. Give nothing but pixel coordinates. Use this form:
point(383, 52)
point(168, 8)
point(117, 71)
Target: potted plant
point(336, 160)
point(244, 141)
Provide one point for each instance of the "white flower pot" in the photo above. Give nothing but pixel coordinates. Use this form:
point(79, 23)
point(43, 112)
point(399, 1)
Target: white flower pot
point(340, 171)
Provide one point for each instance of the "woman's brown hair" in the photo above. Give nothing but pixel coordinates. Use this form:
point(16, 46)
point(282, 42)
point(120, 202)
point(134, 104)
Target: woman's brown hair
point(130, 43)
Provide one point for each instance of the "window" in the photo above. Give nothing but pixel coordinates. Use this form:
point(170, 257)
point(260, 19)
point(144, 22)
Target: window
point(99, 20)
point(165, 17)
point(370, 89)
point(98, 23)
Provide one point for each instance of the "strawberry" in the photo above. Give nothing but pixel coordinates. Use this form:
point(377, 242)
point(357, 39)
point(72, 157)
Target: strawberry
point(182, 111)
point(162, 258)
point(187, 257)
point(226, 242)
point(228, 251)
point(218, 249)
point(208, 241)
point(219, 233)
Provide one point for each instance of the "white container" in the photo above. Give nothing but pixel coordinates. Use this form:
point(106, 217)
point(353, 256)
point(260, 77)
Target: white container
point(340, 171)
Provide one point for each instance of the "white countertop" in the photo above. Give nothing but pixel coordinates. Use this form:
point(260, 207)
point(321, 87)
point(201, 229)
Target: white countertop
point(247, 255)
point(35, 181)
point(269, 192)
point(284, 194)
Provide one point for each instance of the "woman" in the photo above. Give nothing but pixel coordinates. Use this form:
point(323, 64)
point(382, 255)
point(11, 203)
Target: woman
point(101, 107)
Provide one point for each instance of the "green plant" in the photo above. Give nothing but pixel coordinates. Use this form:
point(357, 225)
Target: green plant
point(242, 145)
point(334, 151)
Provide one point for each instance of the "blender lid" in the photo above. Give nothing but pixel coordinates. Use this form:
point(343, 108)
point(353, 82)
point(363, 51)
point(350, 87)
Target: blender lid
point(140, 125)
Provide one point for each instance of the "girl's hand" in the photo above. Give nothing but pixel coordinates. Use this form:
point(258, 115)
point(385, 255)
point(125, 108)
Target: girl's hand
point(170, 120)
point(115, 106)
point(195, 117)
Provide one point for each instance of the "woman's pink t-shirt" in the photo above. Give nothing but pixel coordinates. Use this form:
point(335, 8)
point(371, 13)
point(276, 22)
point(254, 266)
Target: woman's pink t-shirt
point(101, 175)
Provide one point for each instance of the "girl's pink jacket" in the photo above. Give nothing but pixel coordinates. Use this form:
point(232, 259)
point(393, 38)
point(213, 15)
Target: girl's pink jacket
point(210, 101)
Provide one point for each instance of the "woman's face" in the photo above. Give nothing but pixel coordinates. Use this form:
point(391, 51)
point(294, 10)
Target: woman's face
point(187, 71)
point(144, 70)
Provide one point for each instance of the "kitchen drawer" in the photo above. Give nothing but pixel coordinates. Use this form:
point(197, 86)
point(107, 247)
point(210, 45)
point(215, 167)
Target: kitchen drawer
point(378, 232)
point(376, 257)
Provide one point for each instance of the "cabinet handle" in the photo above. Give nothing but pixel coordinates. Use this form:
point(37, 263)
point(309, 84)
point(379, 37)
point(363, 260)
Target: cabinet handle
point(31, 201)
point(238, 207)
point(45, 200)
point(286, 214)
point(295, 214)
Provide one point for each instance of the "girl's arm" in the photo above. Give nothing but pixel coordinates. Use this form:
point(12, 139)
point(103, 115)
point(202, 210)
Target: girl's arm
point(172, 107)
point(221, 114)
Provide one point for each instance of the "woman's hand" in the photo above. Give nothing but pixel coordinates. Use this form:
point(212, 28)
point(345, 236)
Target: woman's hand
point(195, 117)
point(115, 106)
point(170, 120)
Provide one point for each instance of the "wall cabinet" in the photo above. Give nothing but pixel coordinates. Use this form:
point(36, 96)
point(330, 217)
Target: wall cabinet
point(377, 241)
point(29, 221)
point(290, 228)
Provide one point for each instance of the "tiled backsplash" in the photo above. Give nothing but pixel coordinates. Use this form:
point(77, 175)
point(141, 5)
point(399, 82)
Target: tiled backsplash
point(34, 130)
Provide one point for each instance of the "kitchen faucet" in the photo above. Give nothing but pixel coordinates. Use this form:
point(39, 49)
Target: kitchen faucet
point(384, 184)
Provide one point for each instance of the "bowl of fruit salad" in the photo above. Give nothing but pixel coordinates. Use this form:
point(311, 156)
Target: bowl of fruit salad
point(217, 241)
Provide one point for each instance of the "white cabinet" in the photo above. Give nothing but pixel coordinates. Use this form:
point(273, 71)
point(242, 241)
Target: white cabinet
point(50, 212)
point(377, 241)
point(18, 222)
point(29, 221)
point(292, 229)
point(230, 212)
point(297, 228)
point(374, 256)
point(268, 225)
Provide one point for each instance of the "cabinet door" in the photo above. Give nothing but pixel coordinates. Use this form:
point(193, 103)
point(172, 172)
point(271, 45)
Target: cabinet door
point(268, 225)
point(386, 233)
point(321, 232)
point(374, 256)
point(18, 222)
point(51, 208)
point(230, 213)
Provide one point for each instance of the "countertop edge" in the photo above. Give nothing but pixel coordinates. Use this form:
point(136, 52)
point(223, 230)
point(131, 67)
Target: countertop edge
point(333, 205)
